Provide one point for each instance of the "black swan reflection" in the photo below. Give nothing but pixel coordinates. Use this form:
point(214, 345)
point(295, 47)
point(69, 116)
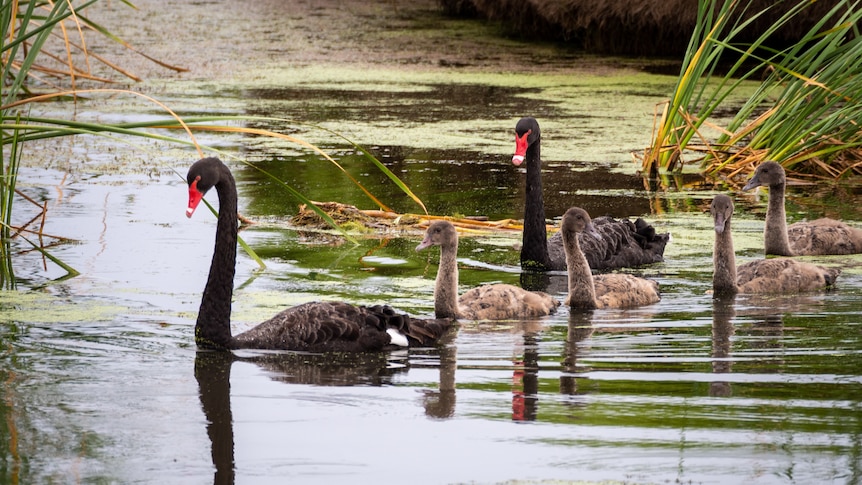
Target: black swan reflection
point(213, 370)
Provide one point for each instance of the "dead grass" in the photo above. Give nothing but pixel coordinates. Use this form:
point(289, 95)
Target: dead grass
point(385, 222)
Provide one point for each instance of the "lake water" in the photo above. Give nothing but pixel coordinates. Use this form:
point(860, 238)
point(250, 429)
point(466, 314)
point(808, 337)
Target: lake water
point(101, 382)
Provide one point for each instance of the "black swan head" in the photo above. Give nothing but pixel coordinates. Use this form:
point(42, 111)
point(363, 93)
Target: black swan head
point(203, 175)
point(526, 135)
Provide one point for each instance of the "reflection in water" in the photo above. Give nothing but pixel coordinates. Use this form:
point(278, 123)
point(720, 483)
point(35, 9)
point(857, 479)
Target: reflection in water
point(722, 330)
point(535, 280)
point(441, 403)
point(580, 328)
point(212, 371)
point(525, 381)
point(771, 331)
point(766, 332)
point(336, 369)
point(555, 283)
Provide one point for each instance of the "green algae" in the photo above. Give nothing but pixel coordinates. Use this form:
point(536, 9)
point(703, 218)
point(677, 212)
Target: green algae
point(42, 307)
point(588, 117)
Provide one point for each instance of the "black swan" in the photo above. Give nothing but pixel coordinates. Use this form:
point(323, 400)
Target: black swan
point(821, 236)
point(313, 327)
point(622, 243)
point(775, 275)
point(587, 292)
point(487, 302)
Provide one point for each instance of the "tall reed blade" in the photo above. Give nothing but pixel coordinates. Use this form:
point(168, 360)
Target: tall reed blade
point(7, 198)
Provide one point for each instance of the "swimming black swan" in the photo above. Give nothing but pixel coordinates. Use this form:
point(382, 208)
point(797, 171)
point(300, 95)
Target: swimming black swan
point(622, 243)
point(313, 327)
point(488, 302)
point(775, 275)
point(821, 236)
point(587, 292)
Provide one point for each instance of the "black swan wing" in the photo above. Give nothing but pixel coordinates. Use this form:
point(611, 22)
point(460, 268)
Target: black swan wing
point(623, 244)
point(338, 327)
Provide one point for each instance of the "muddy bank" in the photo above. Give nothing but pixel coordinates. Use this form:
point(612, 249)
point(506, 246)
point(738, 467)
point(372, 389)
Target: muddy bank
point(223, 40)
point(620, 27)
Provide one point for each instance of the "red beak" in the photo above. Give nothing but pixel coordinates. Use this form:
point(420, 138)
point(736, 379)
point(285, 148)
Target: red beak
point(195, 197)
point(520, 148)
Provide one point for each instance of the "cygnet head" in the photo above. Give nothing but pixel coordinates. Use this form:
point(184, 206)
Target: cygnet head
point(439, 233)
point(722, 211)
point(578, 220)
point(767, 174)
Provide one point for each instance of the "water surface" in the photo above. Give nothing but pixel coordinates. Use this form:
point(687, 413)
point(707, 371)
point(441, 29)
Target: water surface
point(102, 382)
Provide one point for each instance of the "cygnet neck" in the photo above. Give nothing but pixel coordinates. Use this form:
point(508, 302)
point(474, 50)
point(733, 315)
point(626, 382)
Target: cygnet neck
point(724, 263)
point(582, 290)
point(775, 232)
point(446, 294)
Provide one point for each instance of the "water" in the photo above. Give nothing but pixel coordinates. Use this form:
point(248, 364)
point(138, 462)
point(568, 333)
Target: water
point(102, 383)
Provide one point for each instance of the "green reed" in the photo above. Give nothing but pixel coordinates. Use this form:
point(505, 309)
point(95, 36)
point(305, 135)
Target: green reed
point(804, 110)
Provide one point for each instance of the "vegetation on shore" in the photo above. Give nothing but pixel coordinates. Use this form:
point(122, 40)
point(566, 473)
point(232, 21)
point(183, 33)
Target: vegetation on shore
point(804, 113)
point(803, 57)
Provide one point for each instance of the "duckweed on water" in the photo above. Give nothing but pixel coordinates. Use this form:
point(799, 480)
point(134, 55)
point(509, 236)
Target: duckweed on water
point(42, 307)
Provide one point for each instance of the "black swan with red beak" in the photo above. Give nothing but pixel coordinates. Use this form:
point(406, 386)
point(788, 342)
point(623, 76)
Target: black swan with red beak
point(313, 327)
point(620, 242)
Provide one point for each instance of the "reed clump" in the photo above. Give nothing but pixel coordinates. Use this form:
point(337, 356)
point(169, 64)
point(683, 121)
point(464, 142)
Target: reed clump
point(803, 111)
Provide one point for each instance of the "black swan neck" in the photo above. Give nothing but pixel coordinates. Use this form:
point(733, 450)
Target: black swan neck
point(534, 244)
point(212, 330)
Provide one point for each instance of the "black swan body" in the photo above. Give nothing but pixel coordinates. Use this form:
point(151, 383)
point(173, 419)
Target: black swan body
point(487, 302)
point(774, 275)
point(588, 291)
point(312, 327)
point(821, 236)
point(622, 243)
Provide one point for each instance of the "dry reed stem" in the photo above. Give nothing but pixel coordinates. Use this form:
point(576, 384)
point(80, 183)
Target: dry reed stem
point(377, 219)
